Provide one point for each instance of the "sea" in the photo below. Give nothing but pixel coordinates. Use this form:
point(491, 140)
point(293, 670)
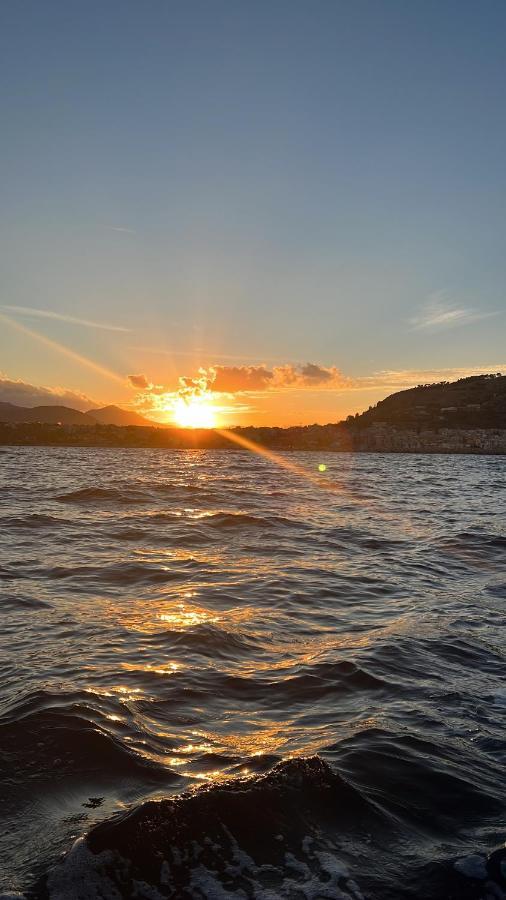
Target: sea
point(231, 675)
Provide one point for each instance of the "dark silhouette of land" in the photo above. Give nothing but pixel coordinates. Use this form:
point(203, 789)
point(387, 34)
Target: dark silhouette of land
point(65, 415)
point(468, 415)
point(475, 402)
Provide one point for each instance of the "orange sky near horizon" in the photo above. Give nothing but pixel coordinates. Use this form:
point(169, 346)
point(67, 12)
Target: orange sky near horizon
point(197, 392)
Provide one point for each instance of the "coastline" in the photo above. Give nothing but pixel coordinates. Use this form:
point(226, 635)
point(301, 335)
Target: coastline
point(338, 438)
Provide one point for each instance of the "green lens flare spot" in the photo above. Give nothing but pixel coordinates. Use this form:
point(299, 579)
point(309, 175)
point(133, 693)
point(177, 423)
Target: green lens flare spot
point(322, 467)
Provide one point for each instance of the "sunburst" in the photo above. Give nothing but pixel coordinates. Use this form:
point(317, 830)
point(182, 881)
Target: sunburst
point(194, 412)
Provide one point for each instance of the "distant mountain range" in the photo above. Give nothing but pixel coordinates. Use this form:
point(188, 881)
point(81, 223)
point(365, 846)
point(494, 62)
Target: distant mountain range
point(64, 415)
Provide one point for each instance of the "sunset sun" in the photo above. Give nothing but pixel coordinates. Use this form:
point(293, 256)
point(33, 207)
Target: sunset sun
point(194, 412)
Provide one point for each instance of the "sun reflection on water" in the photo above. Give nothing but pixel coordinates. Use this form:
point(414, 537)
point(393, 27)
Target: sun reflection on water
point(184, 617)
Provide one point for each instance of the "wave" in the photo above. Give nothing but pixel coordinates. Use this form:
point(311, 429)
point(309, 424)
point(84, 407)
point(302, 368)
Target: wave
point(257, 837)
point(101, 495)
point(327, 679)
point(497, 590)
point(413, 777)
point(302, 830)
point(32, 520)
point(124, 573)
point(222, 519)
point(475, 545)
point(244, 520)
point(7, 573)
point(75, 731)
point(13, 602)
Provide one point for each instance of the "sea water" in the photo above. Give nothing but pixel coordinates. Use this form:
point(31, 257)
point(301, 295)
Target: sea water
point(226, 678)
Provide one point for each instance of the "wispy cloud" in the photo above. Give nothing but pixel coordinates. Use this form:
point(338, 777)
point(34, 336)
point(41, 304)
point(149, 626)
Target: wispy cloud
point(61, 317)
point(390, 380)
point(120, 228)
point(202, 351)
point(440, 312)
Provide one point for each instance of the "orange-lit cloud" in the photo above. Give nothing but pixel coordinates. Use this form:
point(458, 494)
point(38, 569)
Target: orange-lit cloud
point(234, 379)
point(220, 379)
point(140, 382)
point(238, 379)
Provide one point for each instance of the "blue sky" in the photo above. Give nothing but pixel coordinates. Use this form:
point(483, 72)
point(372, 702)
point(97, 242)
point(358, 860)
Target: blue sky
point(246, 184)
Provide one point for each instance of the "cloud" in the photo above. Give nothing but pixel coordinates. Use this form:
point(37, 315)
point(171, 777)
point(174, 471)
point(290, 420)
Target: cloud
point(235, 379)
point(140, 382)
point(196, 351)
point(60, 317)
point(318, 374)
point(21, 393)
point(247, 379)
point(438, 313)
point(310, 375)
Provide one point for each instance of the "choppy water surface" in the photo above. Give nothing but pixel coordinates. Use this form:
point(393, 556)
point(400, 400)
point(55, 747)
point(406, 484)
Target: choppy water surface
point(177, 620)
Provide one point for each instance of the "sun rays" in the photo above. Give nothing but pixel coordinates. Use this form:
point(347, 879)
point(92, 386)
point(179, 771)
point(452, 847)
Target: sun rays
point(195, 412)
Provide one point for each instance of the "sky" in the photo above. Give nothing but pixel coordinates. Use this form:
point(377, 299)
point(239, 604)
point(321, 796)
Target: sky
point(282, 210)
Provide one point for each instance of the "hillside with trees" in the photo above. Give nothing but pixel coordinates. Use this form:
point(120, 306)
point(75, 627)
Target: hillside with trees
point(475, 402)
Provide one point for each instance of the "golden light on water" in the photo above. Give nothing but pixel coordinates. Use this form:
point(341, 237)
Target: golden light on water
point(280, 460)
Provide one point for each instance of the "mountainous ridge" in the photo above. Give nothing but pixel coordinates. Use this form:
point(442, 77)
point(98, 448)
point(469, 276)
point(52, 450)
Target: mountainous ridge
point(115, 415)
point(49, 415)
point(66, 415)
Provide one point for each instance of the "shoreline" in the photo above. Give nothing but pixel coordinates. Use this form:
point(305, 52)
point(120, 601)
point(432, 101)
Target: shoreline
point(332, 438)
point(284, 450)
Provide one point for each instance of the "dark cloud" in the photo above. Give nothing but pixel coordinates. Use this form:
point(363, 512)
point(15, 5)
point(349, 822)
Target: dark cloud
point(314, 374)
point(140, 382)
point(22, 393)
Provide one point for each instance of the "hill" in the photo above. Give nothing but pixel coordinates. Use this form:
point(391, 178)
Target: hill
point(48, 415)
point(114, 415)
point(64, 415)
point(475, 402)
